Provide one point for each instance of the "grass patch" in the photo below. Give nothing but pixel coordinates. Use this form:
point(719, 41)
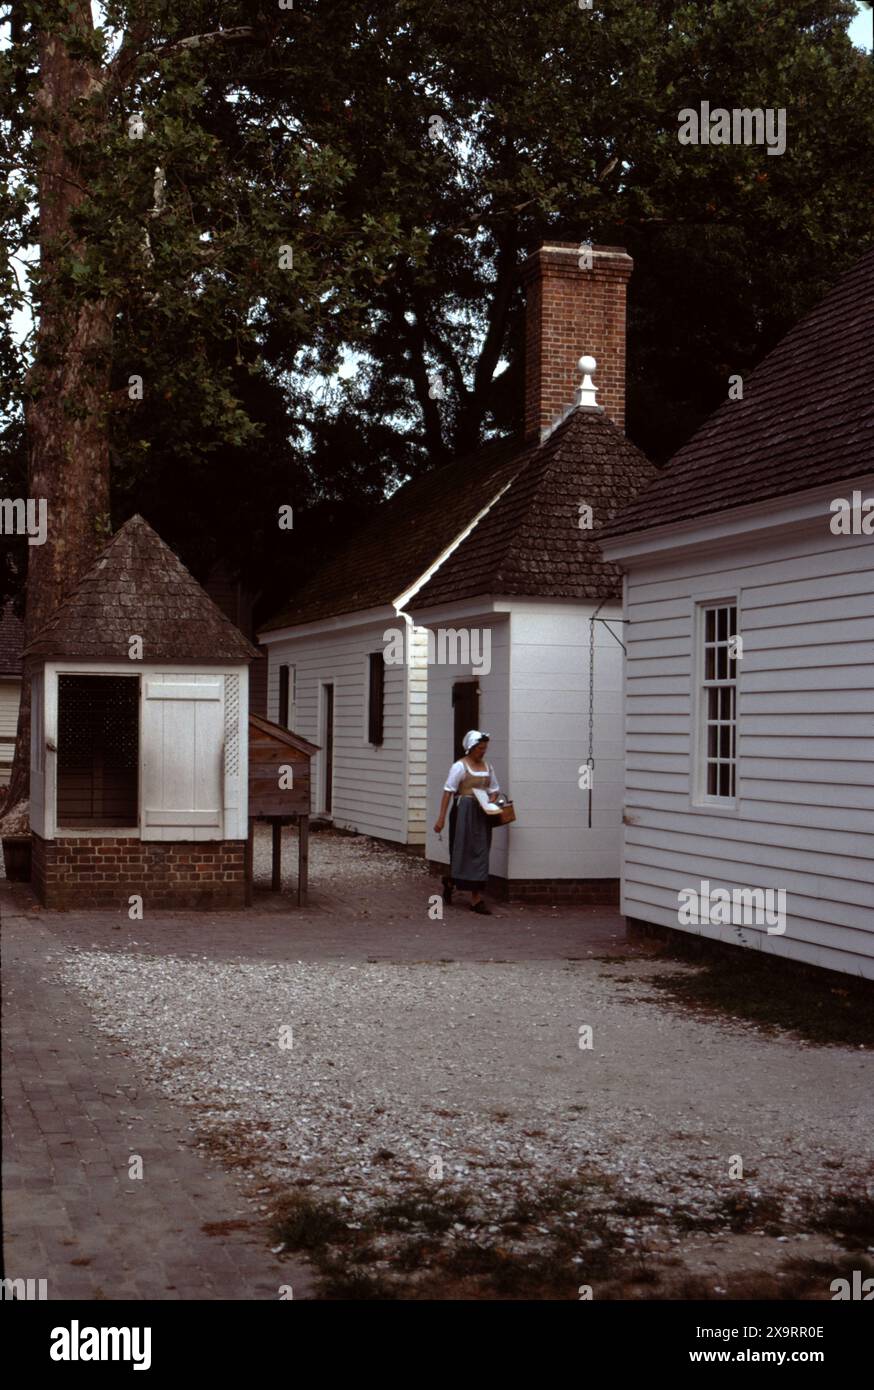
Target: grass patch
point(420, 1209)
point(776, 995)
point(512, 1274)
point(744, 1212)
point(544, 1244)
point(635, 1206)
point(798, 1279)
point(308, 1223)
point(848, 1217)
point(341, 1283)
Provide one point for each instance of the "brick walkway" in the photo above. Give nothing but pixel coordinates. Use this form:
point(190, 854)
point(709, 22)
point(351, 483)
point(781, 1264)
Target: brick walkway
point(75, 1108)
point(74, 1112)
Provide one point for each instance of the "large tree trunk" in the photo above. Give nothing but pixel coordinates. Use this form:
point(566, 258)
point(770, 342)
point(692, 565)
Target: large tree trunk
point(67, 413)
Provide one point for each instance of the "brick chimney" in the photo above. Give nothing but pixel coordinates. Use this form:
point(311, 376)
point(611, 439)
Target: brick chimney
point(570, 312)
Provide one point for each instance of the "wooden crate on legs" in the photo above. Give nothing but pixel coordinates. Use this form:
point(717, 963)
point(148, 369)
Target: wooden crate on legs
point(279, 792)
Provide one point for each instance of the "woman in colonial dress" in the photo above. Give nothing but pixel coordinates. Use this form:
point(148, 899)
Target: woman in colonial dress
point(470, 827)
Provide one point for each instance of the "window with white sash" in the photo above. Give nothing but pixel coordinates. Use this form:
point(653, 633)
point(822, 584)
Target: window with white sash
point(717, 703)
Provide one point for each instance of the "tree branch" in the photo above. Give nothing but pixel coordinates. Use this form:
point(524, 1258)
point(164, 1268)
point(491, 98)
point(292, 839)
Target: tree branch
point(243, 33)
point(132, 48)
point(413, 335)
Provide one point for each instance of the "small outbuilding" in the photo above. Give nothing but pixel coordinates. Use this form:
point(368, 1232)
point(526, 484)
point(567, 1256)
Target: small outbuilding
point(279, 792)
point(139, 756)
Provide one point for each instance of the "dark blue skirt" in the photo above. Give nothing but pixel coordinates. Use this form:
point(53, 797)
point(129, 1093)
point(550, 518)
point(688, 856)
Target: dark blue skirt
point(470, 839)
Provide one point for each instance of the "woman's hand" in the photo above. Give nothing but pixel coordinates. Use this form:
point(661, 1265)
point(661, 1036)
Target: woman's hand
point(438, 826)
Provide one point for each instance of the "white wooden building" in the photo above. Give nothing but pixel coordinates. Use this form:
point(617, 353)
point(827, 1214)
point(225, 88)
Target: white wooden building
point(758, 773)
point(139, 737)
point(529, 584)
point(328, 682)
point(495, 545)
point(11, 641)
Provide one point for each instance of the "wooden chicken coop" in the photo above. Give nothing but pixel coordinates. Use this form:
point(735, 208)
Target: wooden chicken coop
point(279, 792)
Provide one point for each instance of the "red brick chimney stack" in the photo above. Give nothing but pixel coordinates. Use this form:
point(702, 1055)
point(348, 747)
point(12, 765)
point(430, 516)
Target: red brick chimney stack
point(570, 312)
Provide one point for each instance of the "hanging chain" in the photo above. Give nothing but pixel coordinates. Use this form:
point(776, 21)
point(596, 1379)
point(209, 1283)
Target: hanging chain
point(590, 761)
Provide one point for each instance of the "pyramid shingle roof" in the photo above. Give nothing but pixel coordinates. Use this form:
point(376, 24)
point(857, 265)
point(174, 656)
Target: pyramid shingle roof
point(138, 587)
point(531, 542)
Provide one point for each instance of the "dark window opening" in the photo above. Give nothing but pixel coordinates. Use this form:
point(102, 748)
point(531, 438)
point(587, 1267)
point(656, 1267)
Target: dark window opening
point(98, 751)
point(284, 700)
point(465, 712)
point(376, 699)
point(328, 797)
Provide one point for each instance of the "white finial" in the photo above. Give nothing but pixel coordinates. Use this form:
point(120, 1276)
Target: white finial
point(587, 392)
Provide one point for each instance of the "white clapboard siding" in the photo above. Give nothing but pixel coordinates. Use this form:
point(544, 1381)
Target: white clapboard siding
point(804, 816)
point(493, 716)
point(10, 697)
point(548, 741)
point(182, 757)
point(370, 789)
point(417, 738)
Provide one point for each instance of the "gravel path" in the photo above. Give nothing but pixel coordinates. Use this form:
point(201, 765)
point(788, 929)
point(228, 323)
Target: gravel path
point(394, 1065)
point(337, 862)
point(436, 1067)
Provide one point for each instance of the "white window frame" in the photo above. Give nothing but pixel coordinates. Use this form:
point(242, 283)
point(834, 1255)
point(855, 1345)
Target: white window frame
point(701, 797)
point(84, 832)
point(234, 813)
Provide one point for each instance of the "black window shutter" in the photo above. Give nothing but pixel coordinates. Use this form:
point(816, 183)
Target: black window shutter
point(376, 698)
point(283, 697)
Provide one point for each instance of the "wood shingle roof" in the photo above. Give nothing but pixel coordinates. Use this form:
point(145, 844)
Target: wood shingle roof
point(138, 587)
point(409, 533)
point(528, 542)
point(531, 542)
point(806, 418)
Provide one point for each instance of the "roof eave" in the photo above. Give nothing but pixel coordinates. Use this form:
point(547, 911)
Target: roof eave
point(770, 516)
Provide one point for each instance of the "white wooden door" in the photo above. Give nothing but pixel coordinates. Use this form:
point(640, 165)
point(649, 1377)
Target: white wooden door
point(183, 757)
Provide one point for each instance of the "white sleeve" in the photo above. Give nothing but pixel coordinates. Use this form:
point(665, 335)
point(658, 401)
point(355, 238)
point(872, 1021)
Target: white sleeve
point(454, 776)
point(493, 781)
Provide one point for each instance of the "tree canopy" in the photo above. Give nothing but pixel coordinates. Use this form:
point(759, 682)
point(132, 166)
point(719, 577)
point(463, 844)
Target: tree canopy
point(236, 200)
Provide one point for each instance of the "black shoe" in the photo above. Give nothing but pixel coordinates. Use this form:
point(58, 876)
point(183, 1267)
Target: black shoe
point(481, 908)
point(447, 891)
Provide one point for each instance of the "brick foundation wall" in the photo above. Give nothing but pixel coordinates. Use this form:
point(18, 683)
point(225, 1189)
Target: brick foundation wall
point(563, 892)
point(570, 312)
point(169, 874)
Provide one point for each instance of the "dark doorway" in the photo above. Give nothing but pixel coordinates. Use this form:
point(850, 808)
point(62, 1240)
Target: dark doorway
point(465, 712)
point(284, 700)
point(328, 746)
point(98, 751)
